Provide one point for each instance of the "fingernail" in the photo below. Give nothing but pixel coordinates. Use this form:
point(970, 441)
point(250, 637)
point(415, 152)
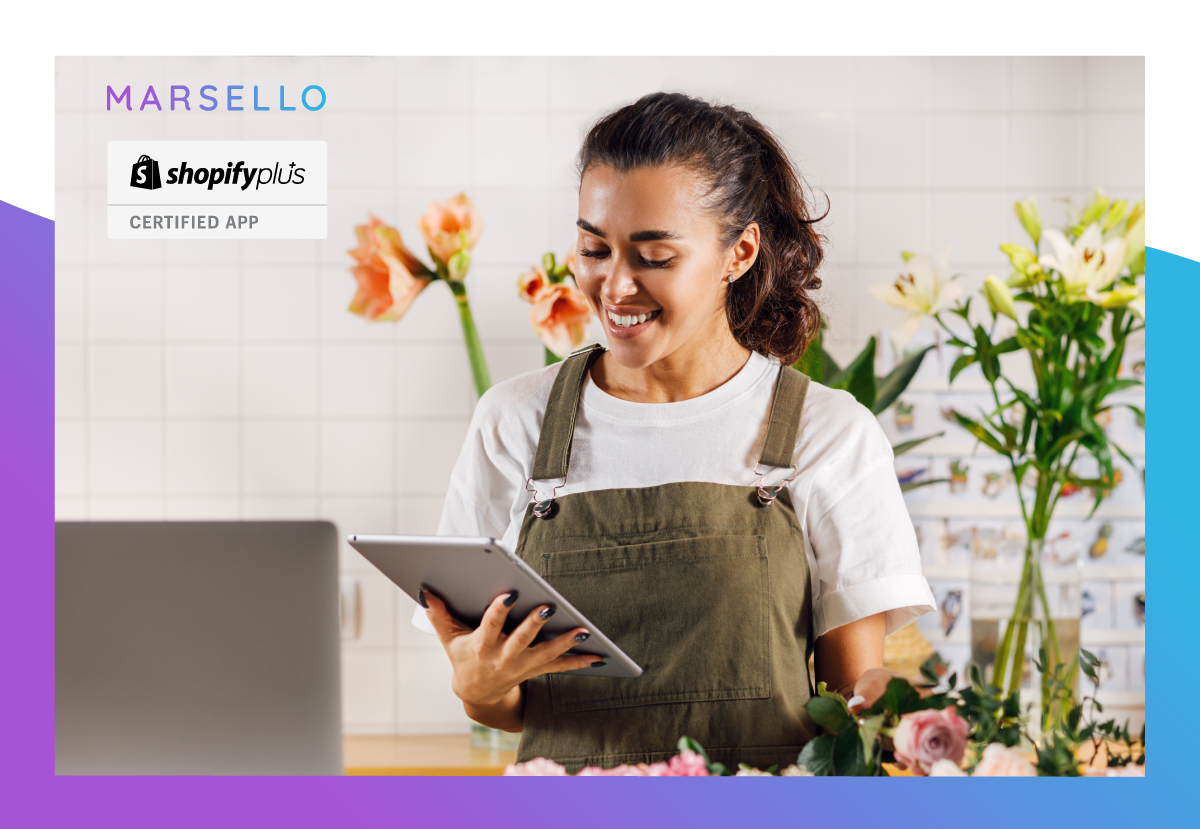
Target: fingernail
point(510, 599)
point(421, 598)
point(582, 637)
point(547, 612)
point(600, 664)
point(855, 700)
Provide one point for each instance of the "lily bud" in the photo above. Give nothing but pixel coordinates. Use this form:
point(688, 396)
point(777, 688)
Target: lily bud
point(458, 265)
point(548, 262)
point(1031, 218)
point(1116, 212)
point(1121, 296)
point(1095, 209)
point(1021, 257)
point(999, 298)
point(1135, 236)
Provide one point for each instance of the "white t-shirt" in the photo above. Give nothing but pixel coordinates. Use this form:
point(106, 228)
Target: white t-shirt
point(862, 550)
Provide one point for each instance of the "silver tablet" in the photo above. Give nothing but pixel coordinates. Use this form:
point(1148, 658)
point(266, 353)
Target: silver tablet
point(469, 573)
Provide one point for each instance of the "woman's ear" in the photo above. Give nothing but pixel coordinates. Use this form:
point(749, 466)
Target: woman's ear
point(745, 252)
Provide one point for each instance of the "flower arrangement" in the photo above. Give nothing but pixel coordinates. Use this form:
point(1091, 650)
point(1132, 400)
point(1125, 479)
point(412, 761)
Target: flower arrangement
point(390, 276)
point(560, 311)
point(975, 731)
point(691, 761)
point(1079, 296)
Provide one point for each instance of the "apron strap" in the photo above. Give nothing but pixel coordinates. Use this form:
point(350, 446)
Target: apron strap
point(558, 424)
point(787, 406)
point(553, 456)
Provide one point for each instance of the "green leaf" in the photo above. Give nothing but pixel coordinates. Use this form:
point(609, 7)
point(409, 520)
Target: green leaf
point(899, 697)
point(817, 756)
point(911, 485)
point(1005, 346)
point(816, 362)
point(829, 713)
point(979, 432)
point(858, 378)
point(962, 362)
point(848, 760)
point(897, 380)
point(901, 448)
point(1140, 413)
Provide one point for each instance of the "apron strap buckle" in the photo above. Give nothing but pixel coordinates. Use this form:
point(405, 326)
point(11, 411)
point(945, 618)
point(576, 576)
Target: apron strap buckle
point(544, 507)
point(768, 494)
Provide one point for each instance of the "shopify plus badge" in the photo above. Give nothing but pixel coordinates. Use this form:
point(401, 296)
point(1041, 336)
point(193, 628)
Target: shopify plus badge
point(217, 189)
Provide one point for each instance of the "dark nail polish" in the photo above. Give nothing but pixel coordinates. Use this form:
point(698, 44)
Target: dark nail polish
point(510, 599)
point(421, 598)
point(547, 612)
point(582, 637)
point(599, 664)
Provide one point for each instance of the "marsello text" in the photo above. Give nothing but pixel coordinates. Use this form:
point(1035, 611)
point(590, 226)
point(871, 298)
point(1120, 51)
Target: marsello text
point(312, 98)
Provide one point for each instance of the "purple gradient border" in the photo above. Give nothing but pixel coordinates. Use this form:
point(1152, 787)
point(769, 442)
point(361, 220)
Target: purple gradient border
point(33, 796)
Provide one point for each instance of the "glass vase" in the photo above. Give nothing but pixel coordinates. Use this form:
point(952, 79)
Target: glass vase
point(493, 739)
point(1026, 596)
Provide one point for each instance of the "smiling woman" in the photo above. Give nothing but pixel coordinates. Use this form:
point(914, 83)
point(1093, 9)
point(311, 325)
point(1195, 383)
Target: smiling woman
point(715, 513)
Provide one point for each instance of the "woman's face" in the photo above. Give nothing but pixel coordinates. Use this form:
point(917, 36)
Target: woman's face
point(651, 263)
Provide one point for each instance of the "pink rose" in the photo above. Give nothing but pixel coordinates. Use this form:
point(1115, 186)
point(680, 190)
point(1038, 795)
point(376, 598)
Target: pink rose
point(1001, 761)
point(687, 763)
point(924, 737)
point(655, 769)
point(537, 767)
point(451, 226)
point(618, 771)
point(531, 284)
point(389, 276)
point(946, 768)
point(560, 316)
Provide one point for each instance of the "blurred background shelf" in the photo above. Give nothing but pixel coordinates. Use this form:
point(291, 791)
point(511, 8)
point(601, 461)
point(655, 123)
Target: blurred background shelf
point(975, 509)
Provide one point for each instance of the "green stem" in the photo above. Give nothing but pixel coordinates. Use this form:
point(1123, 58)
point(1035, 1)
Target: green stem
point(479, 369)
point(1018, 657)
point(551, 357)
point(1002, 653)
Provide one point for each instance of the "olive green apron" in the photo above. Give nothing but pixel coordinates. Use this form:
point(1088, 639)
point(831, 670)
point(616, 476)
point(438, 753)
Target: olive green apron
point(704, 585)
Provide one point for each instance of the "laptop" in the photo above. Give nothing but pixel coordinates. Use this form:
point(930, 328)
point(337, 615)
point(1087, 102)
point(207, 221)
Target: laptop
point(197, 648)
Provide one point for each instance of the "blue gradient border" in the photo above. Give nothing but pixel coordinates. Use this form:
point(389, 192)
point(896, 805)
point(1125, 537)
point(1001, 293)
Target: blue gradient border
point(34, 796)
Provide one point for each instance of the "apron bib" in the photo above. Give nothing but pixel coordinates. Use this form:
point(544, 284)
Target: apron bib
point(704, 585)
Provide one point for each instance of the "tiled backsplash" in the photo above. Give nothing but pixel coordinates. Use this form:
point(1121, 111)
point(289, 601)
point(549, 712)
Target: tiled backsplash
point(226, 379)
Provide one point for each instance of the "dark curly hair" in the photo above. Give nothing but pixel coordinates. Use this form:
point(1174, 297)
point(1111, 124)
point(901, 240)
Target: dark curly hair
point(749, 179)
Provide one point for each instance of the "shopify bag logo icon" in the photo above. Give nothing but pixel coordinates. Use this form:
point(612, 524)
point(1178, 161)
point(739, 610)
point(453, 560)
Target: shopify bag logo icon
point(145, 174)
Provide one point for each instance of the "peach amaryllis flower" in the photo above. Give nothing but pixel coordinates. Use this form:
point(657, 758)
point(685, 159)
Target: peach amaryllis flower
point(451, 227)
point(531, 283)
point(389, 276)
point(559, 316)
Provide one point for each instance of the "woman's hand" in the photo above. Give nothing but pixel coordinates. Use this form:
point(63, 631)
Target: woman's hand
point(871, 685)
point(489, 665)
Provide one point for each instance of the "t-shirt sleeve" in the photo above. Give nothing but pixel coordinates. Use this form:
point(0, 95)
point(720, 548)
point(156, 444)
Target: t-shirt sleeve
point(479, 508)
point(865, 548)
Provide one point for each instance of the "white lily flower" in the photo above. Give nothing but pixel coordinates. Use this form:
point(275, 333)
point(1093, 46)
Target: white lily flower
point(924, 289)
point(1088, 266)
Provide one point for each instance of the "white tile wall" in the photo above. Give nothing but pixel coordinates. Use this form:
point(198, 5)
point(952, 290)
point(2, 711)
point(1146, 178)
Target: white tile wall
point(226, 379)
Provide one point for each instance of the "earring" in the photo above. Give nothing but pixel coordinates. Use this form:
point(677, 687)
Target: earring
point(733, 278)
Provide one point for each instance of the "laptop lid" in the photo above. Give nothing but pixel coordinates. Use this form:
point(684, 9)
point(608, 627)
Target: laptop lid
point(197, 648)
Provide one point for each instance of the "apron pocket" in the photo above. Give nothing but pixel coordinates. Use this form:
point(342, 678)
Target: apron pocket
point(692, 612)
